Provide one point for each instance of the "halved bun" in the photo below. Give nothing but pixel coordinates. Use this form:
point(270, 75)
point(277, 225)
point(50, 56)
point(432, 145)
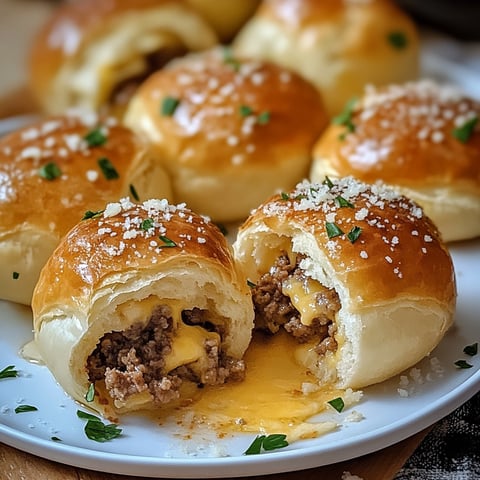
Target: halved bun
point(423, 138)
point(50, 175)
point(93, 53)
point(236, 132)
point(140, 301)
point(338, 45)
point(371, 284)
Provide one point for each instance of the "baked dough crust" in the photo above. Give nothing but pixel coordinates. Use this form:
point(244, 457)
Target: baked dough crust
point(404, 135)
point(87, 48)
point(107, 263)
point(338, 45)
point(241, 130)
point(36, 212)
point(396, 282)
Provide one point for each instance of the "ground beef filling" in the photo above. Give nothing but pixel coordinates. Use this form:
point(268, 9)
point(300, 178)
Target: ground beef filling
point(274, 310)
point(133, 361)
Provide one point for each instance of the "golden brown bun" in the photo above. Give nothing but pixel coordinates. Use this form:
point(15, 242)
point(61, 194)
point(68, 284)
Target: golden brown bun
point(90, 49)
point(225, 17)
point(224, 162)
point(110, 272)
point(404, 135)
point(339, 45)
point(395, 282)
point(36, 212)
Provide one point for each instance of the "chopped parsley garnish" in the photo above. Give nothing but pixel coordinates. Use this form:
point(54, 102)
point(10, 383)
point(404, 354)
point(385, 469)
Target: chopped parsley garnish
point(15, 275)
point(285, 196)
point(167, 242)
point(56, 439)
point(134, 193)
point(337, 403)
point(465, 131)
point(90, 395)
point(147, 224)
point(398, 40)
point(95, 138)
point(251, 284)
point(263, 118)
point(107, 168)
point(169, 105)
point(345, 118)
point(25, 408)
point(229, 59)
point(245, 110)
point(471, 350)
point(90, 214)
point(342, 202)
point(333, 230)
point(463, 364)
point(50, 171)
point(328, 182)
point(96, 430)
point(8, 372)
point(266, 442)
point(354, 234)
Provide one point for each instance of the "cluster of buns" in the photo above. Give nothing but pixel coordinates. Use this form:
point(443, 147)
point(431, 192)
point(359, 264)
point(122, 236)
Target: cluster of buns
point(222, 130)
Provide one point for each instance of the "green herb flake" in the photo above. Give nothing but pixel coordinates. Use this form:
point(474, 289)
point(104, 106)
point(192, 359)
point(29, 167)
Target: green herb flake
point(133, 192)
point(91, 214)
point(95, 138)
point(337, 403)
point(56, 439)
point(354, 234)
point(8, 372)
point(245, 110)
point(285, 196)
point(15, 275)
point(345, 118)
point(50, 171)
point(465, 131)
point(90, 395)
point(229, 59)
point(328, 182)
point(167, 243)
point(96, 430)
point(25, 408)
point(263, 118)
point(398, 40)
point(251, 284)
point(108, 170)
point(462, 364)
point(471, 350)
point(267, 443)
point(169, 105)
point(342, 202)
point(333, 230)
point(147, 224)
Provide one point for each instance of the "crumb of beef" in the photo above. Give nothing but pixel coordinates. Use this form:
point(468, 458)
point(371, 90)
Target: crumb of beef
point(274, 310)
point(133, 361)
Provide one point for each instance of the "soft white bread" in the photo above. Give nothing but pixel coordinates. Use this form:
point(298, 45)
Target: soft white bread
point(339, 45)
point(422, 138)
point(51, 173)
point(141, 301)
point(225, 17)
point(236, 131)
point(93, 53)
point(386, 283)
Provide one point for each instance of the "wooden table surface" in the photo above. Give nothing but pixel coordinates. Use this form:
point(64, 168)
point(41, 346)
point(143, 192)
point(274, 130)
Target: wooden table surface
point(382, 465)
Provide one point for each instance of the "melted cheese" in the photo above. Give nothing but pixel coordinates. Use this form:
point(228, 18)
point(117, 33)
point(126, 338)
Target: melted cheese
point(278, 395)
point(302, 294)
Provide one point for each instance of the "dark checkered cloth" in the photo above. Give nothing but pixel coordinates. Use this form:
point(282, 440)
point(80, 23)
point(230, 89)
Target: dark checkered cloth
point(451, 450)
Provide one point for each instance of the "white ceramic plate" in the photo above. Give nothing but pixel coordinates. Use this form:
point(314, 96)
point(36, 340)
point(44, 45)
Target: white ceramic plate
point(149, 450)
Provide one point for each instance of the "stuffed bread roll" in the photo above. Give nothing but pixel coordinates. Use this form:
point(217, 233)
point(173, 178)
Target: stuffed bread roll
point(355, 273)
point(51, 172)
point(142, 301)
